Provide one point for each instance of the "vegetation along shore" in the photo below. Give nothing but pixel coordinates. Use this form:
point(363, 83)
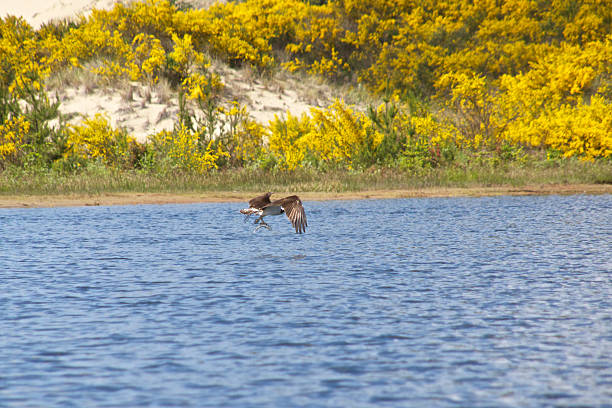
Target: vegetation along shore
point(403, 99)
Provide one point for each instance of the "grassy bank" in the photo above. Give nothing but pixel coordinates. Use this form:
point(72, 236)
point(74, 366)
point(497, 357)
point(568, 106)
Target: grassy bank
point(97, 179)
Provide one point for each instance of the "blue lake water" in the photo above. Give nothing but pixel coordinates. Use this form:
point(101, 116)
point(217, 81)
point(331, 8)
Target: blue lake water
point(463, 302)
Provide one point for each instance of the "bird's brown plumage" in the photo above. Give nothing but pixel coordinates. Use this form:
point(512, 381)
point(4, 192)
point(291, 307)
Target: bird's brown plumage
point(292, 206)
point(260, 201)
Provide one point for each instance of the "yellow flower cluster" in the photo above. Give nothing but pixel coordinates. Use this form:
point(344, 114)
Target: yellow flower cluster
point(19, 56)
point(287, 139)
point(126, 40)
point(431, 131)
point(316, 43)
point(472, 110)
point(558, 104)
point(95, 139)
point(12, 132)
point(332, 137)
point(154, 17)
point(185, 59)
point(149, 57)
point(340, 133)
point(186, 151)
point(582, 130)
point(202, 87)
point(241, 32)
point(240, 136)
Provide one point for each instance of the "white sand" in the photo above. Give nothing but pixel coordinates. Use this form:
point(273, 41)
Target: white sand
point(37, 12)
point(138, 116)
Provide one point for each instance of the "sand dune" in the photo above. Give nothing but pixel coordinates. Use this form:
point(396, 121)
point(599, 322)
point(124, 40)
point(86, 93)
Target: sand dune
point(37, 12)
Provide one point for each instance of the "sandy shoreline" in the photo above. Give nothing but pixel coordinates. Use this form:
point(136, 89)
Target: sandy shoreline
point(37, 201)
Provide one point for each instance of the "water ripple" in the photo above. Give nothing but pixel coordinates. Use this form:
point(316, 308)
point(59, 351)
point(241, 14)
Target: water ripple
point(474, 302)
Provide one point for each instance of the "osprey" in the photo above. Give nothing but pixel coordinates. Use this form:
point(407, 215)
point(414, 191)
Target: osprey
point(262, 206)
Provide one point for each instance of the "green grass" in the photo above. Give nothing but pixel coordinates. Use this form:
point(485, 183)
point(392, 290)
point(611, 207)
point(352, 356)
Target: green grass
point(97, 179)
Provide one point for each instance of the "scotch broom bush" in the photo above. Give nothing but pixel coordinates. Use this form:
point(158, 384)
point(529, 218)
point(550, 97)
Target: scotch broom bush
point(461, 80)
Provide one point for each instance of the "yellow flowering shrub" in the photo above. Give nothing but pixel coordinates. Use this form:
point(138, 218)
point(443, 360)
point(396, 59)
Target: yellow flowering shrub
point(92, 39)
point(238, 135)
point(18, 57)
point(148, 17)
point(583, 130)
point(564, 75)
point(334, 137)
point(241, 33)
point(287, 139)
point(407, 58)
point(95, 139)
point(202, 86)
point(184, 58)
point(127, 39)
point(123, 39)
point(533, 74)
point(12, 133)
point(341, 134)
point(590, 20)
point(432, 131)
point(149, 57)
point(183, 149)
point(561, 83)
point(472, 109)
point(318, 44)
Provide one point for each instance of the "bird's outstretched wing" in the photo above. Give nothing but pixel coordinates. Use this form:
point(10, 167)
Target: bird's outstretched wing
point(260, 201)
point(292, 206)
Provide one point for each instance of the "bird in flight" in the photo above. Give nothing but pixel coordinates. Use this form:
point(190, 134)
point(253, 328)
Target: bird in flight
point(262, 206)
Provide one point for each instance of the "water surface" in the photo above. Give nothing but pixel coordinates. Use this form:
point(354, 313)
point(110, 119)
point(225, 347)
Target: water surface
point(458, 302)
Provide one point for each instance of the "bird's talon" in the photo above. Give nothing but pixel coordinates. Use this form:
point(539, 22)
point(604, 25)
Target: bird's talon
point(263, 226)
